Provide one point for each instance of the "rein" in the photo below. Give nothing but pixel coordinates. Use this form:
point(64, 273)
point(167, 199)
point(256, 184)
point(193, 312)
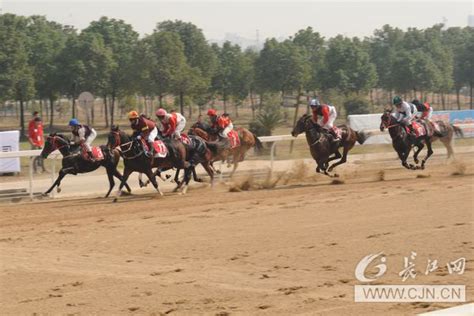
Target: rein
point(129, 147)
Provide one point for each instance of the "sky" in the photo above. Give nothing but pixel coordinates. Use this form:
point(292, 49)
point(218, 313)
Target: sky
point(278, 19)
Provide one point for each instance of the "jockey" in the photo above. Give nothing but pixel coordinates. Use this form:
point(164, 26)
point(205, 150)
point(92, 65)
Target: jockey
point(172, 124)
point(83, 135)
point(143, 127)
point(424, 108)
point(324, 115)
point(405, 112)
point(220, 123)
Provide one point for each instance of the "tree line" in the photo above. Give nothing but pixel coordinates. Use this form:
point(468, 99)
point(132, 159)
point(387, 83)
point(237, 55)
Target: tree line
point(44, 60)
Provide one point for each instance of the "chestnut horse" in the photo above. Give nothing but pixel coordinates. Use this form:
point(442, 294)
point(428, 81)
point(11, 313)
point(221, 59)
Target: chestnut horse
point(247, 141)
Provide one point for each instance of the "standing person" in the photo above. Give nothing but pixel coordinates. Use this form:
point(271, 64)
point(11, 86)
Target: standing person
point(36, 139)
point(83, 135)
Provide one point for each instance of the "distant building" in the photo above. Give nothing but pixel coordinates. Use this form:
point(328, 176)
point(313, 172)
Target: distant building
point(470, 20)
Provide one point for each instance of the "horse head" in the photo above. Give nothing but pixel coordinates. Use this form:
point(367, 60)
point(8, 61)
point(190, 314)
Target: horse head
point(302, 125)
point(54, 142)
point(385, 119)
point(116, 137)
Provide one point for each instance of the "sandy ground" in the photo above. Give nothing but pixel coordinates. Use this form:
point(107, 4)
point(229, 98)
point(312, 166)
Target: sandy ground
point(286, 248)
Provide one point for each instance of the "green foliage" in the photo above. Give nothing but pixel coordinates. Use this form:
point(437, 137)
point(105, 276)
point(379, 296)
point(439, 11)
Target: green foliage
point(267, 120)
point(348, 67)
point(356, 105)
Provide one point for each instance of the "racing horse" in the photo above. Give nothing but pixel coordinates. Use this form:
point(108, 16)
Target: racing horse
point(176, 156)
point(322, 148)
point(403, 142)
point(74, 162)
point(247, 141)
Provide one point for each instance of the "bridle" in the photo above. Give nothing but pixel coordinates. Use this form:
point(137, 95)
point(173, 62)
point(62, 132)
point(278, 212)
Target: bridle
point(55, 145)
point(116, 135)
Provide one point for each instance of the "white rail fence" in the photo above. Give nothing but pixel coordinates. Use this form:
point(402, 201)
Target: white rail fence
point(264, 139)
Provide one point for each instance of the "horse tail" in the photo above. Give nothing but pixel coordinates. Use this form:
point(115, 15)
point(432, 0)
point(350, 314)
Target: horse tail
point(361, 137)
point(458, 131)
point(258, 144)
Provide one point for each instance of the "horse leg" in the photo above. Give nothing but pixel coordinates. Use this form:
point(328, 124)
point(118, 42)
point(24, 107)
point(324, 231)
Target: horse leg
point(207, 166)
point(417, 151)
point(140, 181)
point(126, 173)
point(62, 174)
point(152, 178)
point(449, 146)
point(343, 158)
point(187, 178)
point(119, 176)
point(110, 175)
point(430, 152)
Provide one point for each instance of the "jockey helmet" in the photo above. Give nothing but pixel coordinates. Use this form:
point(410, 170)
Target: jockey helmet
point(211, 112)
point(314, 102)
point(73, 122)
point(416, 102)
point(397, 100)
point(132, 115)
point(161, 112)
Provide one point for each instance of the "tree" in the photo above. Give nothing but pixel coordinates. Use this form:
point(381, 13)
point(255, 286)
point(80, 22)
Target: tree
point(46, 41)
point(161, 61)
point(120, 38)
point(16, 75)
point(347, 66)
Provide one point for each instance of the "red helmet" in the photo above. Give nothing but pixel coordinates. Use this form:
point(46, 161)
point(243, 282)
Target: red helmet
point(160, 112)
point(211, 112)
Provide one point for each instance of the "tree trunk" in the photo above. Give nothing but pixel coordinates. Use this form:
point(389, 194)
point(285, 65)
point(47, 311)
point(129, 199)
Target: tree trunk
point(295, 119)
point(190, 111)
point(458, 101)
point(106, 111)
point(160, 100)
point(92, 113)
point(224, 96)
point(443, 101)
point(470, 96)
point(260, 102)
point(112, 108)
point(51, 120)
point(46, 108)
point(181, 102)
point(73, 106)
point(236, 104)
point(22, 120)
point(252, 105)
point(41, 108)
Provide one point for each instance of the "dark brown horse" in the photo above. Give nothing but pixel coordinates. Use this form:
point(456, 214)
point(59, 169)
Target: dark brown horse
point(403, 141)
point(73, 162)
point(322, 148)
point(247, 140)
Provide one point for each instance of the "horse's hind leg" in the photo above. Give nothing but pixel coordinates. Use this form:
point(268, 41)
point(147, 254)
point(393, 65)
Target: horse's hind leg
point(340, 162)
point(126, 173)
point(119, 176)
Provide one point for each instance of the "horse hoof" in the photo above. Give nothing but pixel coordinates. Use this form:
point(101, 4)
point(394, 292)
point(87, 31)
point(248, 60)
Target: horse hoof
point(417, 161)
point(115, 200)
point(336, 175)
point(199, 180)
point(218, 172)
point(58, 190)
point(168, 176)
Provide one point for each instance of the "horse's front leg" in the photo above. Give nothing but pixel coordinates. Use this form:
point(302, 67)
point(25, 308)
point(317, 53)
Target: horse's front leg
point(152, 178)
point(57, 183)
point(430, 152)
point(126, 173)
point(417, 151)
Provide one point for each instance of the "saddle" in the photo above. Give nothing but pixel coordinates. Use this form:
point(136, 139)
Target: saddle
point(185, 139)
point(420, 129)
point(234, 139)
point(97, 154)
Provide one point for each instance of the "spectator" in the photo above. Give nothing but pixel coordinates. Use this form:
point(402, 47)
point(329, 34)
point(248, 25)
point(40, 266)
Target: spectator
point(35, 137)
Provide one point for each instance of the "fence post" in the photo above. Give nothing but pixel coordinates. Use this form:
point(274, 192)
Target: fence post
point(31, 178)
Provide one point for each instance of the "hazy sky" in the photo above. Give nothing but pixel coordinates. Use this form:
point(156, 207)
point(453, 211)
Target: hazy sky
point(271, 18)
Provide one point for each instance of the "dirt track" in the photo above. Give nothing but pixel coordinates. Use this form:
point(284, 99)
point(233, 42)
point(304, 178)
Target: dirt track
point(289, 249)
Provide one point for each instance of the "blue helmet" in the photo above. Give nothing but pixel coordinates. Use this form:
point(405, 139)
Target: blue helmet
point(73, 122)
point(314, 102)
